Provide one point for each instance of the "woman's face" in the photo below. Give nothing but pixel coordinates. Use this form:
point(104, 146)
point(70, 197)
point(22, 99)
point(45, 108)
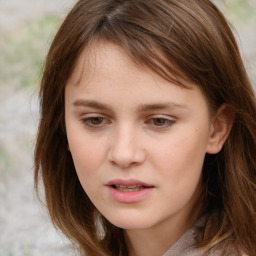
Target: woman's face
point(138, 142)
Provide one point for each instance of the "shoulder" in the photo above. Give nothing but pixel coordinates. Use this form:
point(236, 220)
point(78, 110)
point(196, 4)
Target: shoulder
point(185, 246)
point(230, 251)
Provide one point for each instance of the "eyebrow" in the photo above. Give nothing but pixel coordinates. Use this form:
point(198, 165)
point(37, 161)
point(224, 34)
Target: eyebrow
point(161, 106)
point(91, 104)
point(140, 108)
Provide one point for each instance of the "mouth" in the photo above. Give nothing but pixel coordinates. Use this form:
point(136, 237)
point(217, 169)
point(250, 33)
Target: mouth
point(130, 185)
point(130, 188)
point(129, 191)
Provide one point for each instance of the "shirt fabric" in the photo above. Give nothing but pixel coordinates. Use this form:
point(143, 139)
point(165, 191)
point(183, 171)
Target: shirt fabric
point(185, 246)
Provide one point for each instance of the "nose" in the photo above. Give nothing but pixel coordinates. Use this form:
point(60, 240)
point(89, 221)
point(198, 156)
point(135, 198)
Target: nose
point(125, 150)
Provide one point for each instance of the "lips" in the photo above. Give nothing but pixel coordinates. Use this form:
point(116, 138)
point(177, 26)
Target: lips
point(130, 188)
point(128, 184)
point(129, 191)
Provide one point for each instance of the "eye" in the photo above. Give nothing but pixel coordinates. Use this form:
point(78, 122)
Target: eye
point(94, 121)
point(160, 122)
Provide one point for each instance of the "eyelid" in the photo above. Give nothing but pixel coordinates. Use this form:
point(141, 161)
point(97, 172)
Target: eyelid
point(167, 117)
point(170, 121)
point(86, 118)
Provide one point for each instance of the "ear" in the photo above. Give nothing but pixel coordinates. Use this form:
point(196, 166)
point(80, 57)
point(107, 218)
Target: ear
point(220, 128)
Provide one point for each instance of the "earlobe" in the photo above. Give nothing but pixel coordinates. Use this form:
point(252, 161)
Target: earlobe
point(220, 129)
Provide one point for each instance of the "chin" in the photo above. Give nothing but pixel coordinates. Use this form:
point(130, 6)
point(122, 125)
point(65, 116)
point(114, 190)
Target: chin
point(130, 226)
point(129, 222)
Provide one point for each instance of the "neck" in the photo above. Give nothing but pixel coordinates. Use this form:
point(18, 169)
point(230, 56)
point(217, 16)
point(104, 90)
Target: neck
point(157, 240)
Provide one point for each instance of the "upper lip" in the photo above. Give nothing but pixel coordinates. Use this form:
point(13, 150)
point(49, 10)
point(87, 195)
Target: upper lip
point(129, 182)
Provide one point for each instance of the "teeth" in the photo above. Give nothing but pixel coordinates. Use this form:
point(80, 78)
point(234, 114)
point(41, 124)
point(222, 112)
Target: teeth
point(129, 188)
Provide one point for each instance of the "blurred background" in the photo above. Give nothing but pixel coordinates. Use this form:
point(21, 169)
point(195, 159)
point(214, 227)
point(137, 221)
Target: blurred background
point(26, 30)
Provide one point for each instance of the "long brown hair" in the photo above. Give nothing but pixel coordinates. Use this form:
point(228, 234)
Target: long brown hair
point(174, 38)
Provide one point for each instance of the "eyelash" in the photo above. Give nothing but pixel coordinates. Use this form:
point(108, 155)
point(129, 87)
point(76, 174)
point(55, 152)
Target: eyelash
point(88, 121)
point(164, 122)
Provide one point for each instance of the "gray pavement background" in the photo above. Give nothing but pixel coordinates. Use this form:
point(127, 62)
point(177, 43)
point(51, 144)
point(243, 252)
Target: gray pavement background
point(25, 229)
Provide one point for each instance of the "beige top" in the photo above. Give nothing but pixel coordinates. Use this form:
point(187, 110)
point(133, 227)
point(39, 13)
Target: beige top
point(185, 246)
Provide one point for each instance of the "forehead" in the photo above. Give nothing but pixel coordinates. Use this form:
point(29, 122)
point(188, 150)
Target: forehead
point(106, 73)
point(101, 55)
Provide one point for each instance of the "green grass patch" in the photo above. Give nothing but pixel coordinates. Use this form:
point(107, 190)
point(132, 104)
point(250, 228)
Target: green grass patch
point(23, 52)
point(241, 10)
point(7, 164)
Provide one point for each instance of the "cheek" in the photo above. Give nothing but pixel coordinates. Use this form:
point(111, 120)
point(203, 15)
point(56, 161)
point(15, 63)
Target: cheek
point(181, 157)
point(184, 149)
point(86, 157)
point(181, 171)
point(87, 153)
point(87, 160)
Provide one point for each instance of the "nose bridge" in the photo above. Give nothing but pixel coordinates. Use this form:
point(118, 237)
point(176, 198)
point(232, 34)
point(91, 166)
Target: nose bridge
point(126, 149)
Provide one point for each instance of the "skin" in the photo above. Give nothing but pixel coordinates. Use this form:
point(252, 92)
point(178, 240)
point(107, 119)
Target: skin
point(125, 122)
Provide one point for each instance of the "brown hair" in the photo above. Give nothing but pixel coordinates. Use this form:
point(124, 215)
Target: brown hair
point(174, 38)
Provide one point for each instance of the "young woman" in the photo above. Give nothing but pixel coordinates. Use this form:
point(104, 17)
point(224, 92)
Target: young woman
point(147, 137)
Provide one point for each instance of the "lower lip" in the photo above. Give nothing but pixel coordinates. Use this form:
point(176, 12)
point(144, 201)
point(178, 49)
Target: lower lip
point(129, 197)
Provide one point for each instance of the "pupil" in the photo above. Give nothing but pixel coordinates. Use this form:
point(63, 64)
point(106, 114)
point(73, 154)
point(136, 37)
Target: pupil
point(159, 121)
point(96, 120)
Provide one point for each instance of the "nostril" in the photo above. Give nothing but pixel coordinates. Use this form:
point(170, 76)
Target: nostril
point(126, 155)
